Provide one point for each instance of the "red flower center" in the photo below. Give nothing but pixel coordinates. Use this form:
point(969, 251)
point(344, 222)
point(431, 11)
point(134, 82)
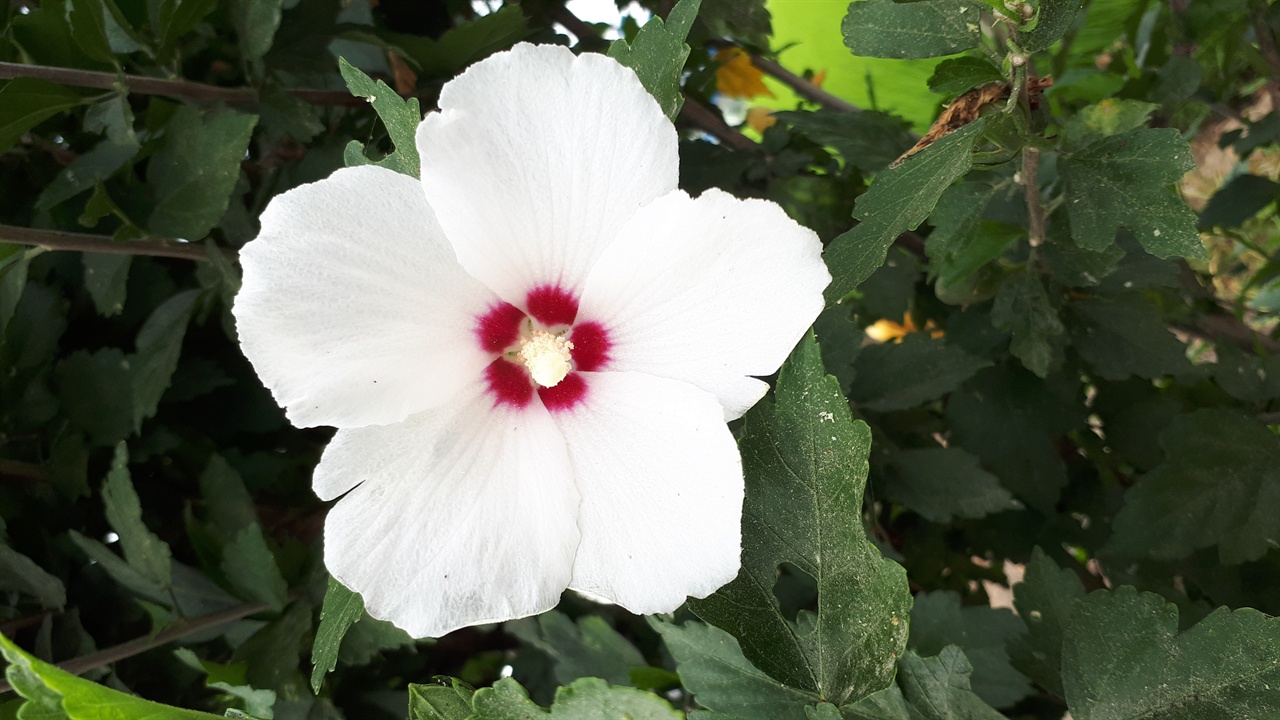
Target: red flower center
point(552, 311)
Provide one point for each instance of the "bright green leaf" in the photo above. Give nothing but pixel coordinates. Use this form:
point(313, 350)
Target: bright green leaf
point(805, 462)
point(26, 102)
point(1218, 485)
point(1124, 659)
point(195, 170)
point(938, 620)
point(658, 52)
point(342, 608)
point(586, 699)
point(941, 483)
point(923, 29)
point(1125, 181)
point(400, 116)
point(713, 668)
point(1022, 308)
point(899, 200)
point(589, 648)
point(896, 376)
point(1044, 600)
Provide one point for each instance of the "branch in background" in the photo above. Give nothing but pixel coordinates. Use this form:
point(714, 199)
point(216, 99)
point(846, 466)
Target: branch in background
point(184, 89)
point(183, 628)
point(802, 87)
point(1220, 325)
point(695, 113)
point(81, 242)
point(21, 470)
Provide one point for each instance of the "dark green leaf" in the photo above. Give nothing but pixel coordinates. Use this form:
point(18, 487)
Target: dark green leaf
point(957, 75)
point(96, 393)
point(590, 648)
point(1238, 200)
point(1218, 486)
point(1124, 181)
point(937, 688)
point(1053, 19)
point(937, 620)
point(250, 567)
point(586, 699)
point(923, 29)
point(1125, 335)
point(440, 702)
point(867, 140)
point(26, 102)
point(713, 668)
point(658, 53)
point(13, 279)
point(342, 608)
point(895, 376)
point(195, 170)
point(369, 638)
point(743, 19)
point(1022, 308)
point(230, 680)
point(899, 200)
point(171, 19)
point(401, 117)
point(142, 549)
point(106, 277)
point(1247, 377)
point(256, 24)
point(1044, 600)
point(841, 340)
point(1123, 658)
point(19, 573)
point(114, 118)
point(805, 462)
point(941, 483)
point(456, 48)
point(159, 345)
point(272, 652)
point(121, 571)
point(79, 699)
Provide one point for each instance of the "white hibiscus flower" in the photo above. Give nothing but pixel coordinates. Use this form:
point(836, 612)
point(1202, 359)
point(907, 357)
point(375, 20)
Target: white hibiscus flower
point(530, 354)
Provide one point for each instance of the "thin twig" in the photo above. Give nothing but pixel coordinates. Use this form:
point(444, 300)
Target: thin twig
point(586, 34)
point(82, 242)
point(802, 87)
point(695, 113)
point(184, 89)
point(21, 470)
point(137, 646)
point(1031, 185)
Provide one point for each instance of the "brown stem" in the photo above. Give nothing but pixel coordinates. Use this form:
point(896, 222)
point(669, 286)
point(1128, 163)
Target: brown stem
point(81, 242)
point(695, 113)
point(184, 89)
point(1267, 46)
point(21, 470)
point(137, 646)
point(802, 87)
point(587, 36)
point(1031, 185)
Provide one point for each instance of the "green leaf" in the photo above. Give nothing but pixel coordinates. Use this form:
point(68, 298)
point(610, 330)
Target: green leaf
point(591, 648)
point(159, 345)
point(1008, 418)
point(457, 48)
point(195, 170)
point(1044, 600)
point(230, 679)
point(272, 652)
point(937, 620)
point(230, 506)
point(250, 567)
point(743, 19)
point(1022, 308)
point(50, 689)
point(586, 699)
point(342, 608)
point(440, 702)
point(256, 23)
point(958, 75)
point(937, 688)
point(171, 19)
point(1111, 117)
point(1217, 486)
point(95, 390)
point(27, 102)
point(145, 552)
point(713, 668)
point(19, 573)
point(1125, 335)
point(369, 638)
point(1239, 200)
point(114, 118)
point(106, 277)
point(896, 376)
point(1123, 659)
point(658, 53)
point(1125, 181)
point(1053, 19)
point(805, 462)
point(867, 140)
point(923, 29)
point(13, 279)
point(941, 483)
point(899, 200)
point(400, 116)
point(121, 571)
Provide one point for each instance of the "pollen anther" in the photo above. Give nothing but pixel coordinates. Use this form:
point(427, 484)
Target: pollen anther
point(546, 356)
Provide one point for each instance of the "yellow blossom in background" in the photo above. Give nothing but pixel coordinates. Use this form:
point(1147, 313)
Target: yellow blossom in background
point(761, 118)
point(737, 77)
point(888, 330)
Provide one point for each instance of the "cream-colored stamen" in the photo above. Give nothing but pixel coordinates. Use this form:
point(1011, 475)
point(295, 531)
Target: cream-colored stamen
point(547, 357)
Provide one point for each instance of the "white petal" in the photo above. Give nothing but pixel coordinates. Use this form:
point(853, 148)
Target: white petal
point(661, 485)
point(536, 159)
point(354, 310)
point(465, 515)
point(709, 291)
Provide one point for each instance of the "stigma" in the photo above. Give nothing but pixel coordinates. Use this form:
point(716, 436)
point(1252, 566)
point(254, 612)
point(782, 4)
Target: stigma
point(546, 356)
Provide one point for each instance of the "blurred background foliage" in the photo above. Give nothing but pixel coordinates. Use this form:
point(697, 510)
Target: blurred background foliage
point(1058, 320)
